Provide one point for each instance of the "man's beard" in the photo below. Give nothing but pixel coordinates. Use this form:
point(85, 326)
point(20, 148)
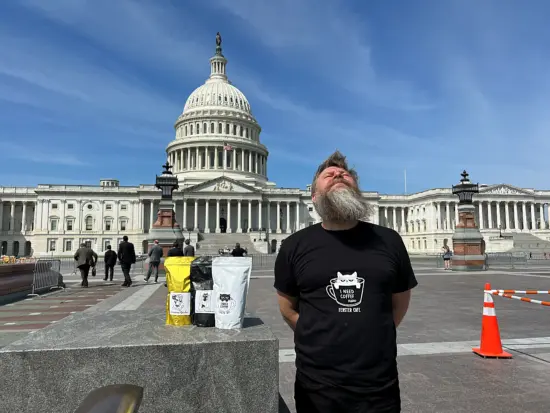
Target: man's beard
point(342, 204)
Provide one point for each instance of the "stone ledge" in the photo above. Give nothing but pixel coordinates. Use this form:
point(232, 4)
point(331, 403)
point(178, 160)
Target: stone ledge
point(183, 369)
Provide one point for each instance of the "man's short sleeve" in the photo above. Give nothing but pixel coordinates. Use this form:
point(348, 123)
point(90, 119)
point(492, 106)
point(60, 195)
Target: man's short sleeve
point(285, 280)
point(405, 278)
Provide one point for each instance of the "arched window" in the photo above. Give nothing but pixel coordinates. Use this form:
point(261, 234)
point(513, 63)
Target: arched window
point(212, 127)
point(185, 130)
point(191, 129)
point(241, 131)
point(235, 130)
point(198, 131)
point(227, 128)
point(204, 128)
point(89, 223)
point(220, 128)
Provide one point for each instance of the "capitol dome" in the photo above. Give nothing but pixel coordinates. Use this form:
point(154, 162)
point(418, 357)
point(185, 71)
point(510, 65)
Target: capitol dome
point(217, 94)
point(217, 133)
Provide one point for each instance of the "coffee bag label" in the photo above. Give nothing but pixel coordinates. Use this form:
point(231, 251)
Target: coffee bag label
point(204, 302)
point(180, 303)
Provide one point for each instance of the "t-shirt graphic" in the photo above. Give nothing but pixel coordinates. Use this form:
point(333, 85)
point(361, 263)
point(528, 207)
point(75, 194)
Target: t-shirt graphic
point(347, 291)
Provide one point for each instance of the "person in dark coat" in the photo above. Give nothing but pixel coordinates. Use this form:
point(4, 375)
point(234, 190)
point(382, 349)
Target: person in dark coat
point(85, 258)
point(155, 254)
point(127, 257)
point(176, 250)
point(110, 262)
point(238, 251)
point(189, 250)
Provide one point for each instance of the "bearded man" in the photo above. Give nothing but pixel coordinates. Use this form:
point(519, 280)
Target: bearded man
point(343, 286)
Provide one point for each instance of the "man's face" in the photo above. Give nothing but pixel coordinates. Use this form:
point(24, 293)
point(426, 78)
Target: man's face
point(333, 178)
point(337, 196)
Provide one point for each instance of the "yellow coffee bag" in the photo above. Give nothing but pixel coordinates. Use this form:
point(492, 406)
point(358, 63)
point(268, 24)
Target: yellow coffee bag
point(178, 281)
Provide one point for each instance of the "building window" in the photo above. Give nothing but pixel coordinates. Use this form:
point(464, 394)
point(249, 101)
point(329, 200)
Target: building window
point(108, 207)
point(90, 206)
point(70, 206)
point(69, 225)
point(123, 225)
point(106, 243)
point(68, 245)
point(123, 207)
point(89, 223)
point(108, 225)
point(54, 206)
point(51, 245)
point(53, 225)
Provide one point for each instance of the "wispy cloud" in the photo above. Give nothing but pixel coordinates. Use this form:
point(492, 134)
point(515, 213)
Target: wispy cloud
point(39, 155)
point(331, 43)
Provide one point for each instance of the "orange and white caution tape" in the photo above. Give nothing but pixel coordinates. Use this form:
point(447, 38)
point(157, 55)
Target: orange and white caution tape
point(517, 297)
point(499, 292)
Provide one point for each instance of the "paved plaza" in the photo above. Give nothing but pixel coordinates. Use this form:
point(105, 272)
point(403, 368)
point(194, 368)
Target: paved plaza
point(438, 371)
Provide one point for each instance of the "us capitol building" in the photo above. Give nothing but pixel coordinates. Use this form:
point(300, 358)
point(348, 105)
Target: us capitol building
point(225, 196)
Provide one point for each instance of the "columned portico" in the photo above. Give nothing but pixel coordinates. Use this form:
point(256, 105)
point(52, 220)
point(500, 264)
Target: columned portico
point(211, 214)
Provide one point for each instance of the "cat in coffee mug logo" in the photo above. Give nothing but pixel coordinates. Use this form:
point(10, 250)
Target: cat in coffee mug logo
point(225, 304)
point(347, 291)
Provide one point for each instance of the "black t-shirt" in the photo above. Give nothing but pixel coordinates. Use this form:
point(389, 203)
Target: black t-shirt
point(344, 280)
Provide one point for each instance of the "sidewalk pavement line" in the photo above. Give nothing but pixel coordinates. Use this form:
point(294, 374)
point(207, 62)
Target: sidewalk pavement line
point(135, 301)
point(445, 347)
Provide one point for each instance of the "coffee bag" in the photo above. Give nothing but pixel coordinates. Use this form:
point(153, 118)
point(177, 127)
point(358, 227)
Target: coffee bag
point(231, 280)
point(201, 292)
point(178, 281)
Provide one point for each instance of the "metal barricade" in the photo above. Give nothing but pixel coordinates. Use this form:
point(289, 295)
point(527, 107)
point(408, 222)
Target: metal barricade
point(46, 276)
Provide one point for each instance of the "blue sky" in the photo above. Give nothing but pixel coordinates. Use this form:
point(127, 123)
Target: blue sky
point(91, 89)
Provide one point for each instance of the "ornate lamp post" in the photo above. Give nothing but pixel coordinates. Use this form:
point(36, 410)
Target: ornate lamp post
point(468, 243)
point(166, 229)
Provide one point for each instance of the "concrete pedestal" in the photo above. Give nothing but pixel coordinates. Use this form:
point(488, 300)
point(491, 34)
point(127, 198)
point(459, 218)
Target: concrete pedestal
point(183, 369)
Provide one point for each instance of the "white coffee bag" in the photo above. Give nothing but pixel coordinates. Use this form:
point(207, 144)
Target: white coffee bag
point(231, 277)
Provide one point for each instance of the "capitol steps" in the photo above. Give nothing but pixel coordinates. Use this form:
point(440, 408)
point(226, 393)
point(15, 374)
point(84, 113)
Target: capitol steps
point(211, 243)
point(524, 242)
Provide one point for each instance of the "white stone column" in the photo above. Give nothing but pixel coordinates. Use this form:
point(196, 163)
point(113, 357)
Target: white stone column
point(297, 228)
point(196, 216)
point(218, 216)
point(78, 223)
point(224, 154)
point(507, 214)
point(524, 216)
point(541, 212)
point(386, 216)
point(278, 217)
point(533, 219)
point(403, 224)
point(216, 163)
point(249, 161)
point(456, 213)
point(268, 216)
point(242, 160)
point(207, 156)
point(249, 215)
point(239, 211)
point(229, 216)
point(101, 207)
point(448, 215)
point(207, 216)
point(287, 229)
point(184, 220)
point(516, 218)
point(499, 221)
point(480, 208)
point(489, 215)
point(259, 215)
point(24, 215)
point(234, 167)
point(12, 216)
point(438, 212)
point(117, 211)
point(152, 214)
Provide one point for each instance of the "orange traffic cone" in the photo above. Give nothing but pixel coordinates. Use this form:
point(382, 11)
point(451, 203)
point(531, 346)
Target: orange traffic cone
point(491, 346)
